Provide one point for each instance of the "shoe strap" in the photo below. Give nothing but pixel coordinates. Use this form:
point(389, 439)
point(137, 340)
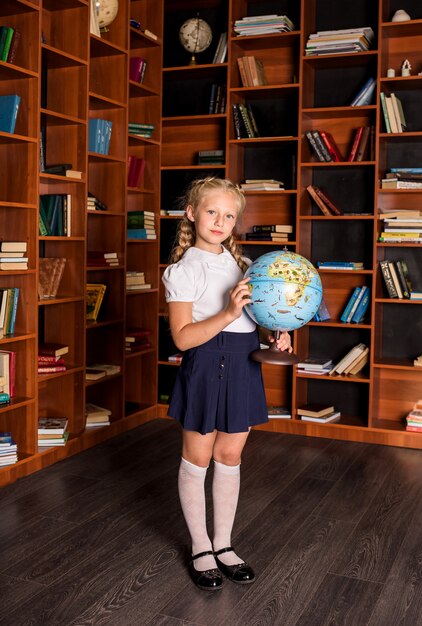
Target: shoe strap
point(218, 552)
point(198, 556)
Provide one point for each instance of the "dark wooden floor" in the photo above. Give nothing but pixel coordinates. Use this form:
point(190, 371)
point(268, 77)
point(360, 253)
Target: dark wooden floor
point(333, 530)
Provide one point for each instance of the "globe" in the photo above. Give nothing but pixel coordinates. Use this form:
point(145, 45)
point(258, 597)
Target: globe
point(106, 11)
point(195, 35)
point(286, 292)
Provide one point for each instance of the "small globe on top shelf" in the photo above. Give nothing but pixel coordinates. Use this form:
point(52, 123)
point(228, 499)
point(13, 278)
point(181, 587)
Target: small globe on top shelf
point(286, 292)
point(195, 35)
point(106, 13)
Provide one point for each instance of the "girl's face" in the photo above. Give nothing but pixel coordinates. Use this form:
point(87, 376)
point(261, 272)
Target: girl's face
point(215, 217)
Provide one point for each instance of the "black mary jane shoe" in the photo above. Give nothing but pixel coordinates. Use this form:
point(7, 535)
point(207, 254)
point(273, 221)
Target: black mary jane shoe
point(210, 579)
point(241, 573)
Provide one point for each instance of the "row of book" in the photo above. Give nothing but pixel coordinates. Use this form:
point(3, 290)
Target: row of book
point(8, 449)
point(262, 25)
point(51, 357)
point(137, 68)
point(141, 225)
point(135, 170)
point(403, 225)
point(352, 362)
point(141, 130)
point(55, 215)
point(326, 149)
point(414, 418)
point(392, 110)
point(218, 98)
point(244, 121)
point(99, 135)
point(9, 42)
point(340, 41)
point(9, 107)
point(135, 281)
point(251, 70)
point(137, 339)
point(50, 274)
point(270, 232)
point(8, 308)
point(357, 305)
point(403, 178)
point(396, 279)
point(97, 371)
point(211, 157)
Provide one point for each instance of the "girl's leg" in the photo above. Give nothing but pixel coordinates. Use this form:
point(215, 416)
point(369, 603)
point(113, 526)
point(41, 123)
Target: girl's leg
point(196, 455)
point(227, 453)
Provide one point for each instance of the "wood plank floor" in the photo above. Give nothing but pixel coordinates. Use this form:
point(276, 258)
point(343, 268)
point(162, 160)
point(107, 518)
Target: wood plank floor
point(333, 530)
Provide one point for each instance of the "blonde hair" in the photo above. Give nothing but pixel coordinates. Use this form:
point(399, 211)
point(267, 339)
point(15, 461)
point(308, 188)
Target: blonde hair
point(185, 236)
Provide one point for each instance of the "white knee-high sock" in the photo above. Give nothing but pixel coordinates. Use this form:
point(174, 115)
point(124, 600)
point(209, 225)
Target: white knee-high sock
point(192, 499)
point(225, 494)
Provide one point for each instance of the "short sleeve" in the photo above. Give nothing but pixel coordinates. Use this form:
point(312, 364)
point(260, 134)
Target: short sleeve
point(179, 283)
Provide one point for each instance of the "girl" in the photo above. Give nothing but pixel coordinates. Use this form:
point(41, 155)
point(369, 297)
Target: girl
point(219, 393)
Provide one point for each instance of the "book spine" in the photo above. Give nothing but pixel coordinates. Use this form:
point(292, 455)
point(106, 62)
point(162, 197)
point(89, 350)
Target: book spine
point(236, 122)
point(321, 145)
point(356, 303)
point(313, 144)
point(394, 276)
point(344, 316)
point(385, 114)
point(362, 307)
point(402, 279)
point(333, 207)
point(363, 144)
point(318, 201)
point(355, 145)
point(14, 46)
point(331, 146)
point(388, 279)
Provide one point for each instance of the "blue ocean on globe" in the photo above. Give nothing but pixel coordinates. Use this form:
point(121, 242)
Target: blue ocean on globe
point(286, 290)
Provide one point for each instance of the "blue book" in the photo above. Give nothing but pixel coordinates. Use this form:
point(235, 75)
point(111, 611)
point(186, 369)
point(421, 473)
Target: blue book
point(108, 128)
point(362, 307)
point(140, 233)
point(353, 298)
point(9, 106)
point(11, 329)
point(94, 135)
point(365, 94)
point(406, 170)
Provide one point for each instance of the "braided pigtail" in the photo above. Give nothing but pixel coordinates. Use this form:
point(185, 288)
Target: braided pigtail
point(236, 251)
point(185, 238)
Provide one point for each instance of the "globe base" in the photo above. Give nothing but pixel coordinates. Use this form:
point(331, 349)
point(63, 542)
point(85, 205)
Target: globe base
point(274, 356)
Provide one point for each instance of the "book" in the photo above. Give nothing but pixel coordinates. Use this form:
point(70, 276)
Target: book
point(315, 409)
point(52, 425)
point(272, 228)
point(331, 146)
point(278, 412)
point(362, 305)
point(94, 374)
point(364, 95)
point(94, 298)
point(9, 107)
point(314, 363)
point(52, 349)
point(348, 358)
point(334, 416)
point(335, 210)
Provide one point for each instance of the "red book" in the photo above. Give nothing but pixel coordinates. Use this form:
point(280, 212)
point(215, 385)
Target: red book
point(52, 349)
point(355, 145)
point(363, 144)
point(50, 360)
point(331, 145)
point(51, 369)
point(14, 46)
point(135, 68)
point(139, 170)
point(333, 208)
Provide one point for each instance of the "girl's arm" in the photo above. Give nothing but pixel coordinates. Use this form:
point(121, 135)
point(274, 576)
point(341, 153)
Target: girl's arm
point(187, 334)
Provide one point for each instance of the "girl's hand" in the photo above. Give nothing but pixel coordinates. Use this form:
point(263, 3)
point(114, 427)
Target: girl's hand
point(239, 296)
point(283, 342)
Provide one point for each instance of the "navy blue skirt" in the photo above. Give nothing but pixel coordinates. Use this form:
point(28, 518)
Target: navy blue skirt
point(219, 387)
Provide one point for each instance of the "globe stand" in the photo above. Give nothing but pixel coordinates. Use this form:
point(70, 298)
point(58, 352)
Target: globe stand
point(273, 355)
point(193, 60)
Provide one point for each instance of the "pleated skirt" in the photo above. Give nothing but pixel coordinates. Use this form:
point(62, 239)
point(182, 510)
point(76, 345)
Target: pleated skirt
point(219, 387)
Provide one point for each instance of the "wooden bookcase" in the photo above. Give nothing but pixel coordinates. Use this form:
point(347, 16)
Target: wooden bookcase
point(307, 93)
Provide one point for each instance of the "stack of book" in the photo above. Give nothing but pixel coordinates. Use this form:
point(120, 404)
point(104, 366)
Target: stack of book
point(102, 259)
point(262, 25)
point(396, 279)
point(261, 184)
point(364, 95)
point(173, 212)
point(137, 67)
point(55, 215)
point(392, 110)
point(175, 358)
point(135, 170)
point(12, 255)
point(418, 361)
point(318, 412)
point(52, 432)
point(340, 265)
point(50, 358)
point(94, 298)
point(315, 365)
point(9, 42)
point(8, 449)
point(211, 157)
point(414, 418)
point(99, 136)
point(9, 107)
point(94, 204)
point(403, 178)
point(49, 276)
point(352, 362)
point(323, 146)
point(141, 225)
point(96, 416)
point(7, 374)
point(356, 306)
point(218, 97)
point(244, 121)
point(279, 413)
point(342, 41)
point(8, 308)
point(251, 70)
point(325, 205)
point(323, 314)
point(270, 232)
point(137, 339)
point(135, 281)
point(141, 130)
point(96, 371)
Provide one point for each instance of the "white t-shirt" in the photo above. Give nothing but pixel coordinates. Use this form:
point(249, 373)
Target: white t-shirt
point(205, 279)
